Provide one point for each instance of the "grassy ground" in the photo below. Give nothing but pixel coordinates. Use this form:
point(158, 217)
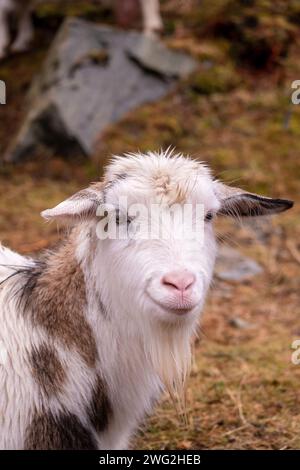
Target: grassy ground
point(235, 113)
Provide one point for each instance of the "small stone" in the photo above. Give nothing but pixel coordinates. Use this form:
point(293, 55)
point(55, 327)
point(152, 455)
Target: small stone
point(232, 266)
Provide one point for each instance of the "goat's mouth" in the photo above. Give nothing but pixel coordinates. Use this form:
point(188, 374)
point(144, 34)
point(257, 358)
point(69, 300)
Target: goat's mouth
point(180, 311)
point(177, 308)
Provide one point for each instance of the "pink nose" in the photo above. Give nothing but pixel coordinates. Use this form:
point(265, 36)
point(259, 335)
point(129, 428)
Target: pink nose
point(179, 280)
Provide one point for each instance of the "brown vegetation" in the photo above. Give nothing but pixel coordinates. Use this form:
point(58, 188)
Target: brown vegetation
point(235, 113)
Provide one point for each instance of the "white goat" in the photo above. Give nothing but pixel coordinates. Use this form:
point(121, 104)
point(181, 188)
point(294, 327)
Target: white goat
point(20, 12)
point(93, 332)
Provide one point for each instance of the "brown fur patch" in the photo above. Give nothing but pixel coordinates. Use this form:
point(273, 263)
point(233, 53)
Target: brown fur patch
point(56, 297)
point(100, 409)
point(64, 432)
point(47, 370)
point(180, 195)
point(166, 188)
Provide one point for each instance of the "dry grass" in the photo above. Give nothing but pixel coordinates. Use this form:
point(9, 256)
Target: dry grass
point(244, 390)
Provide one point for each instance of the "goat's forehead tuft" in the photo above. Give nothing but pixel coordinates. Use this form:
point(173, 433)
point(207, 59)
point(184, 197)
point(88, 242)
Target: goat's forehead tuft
point(166, 173)
point(153, 163)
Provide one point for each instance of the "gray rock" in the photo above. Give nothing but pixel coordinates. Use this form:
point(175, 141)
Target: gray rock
point(234, 267)
point(153, 55)
point(92, 77)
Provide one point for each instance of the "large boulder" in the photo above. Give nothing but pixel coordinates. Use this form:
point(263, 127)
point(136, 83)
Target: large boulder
point(91, 78)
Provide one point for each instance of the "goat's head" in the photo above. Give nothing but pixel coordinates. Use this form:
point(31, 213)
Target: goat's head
point(162, 274)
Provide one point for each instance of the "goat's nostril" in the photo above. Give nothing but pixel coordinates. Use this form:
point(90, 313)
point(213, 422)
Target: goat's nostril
point(179, 280)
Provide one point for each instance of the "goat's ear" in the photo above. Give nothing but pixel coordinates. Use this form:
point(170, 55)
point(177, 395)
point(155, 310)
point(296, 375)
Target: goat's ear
point(238, 203)
point(82, 205)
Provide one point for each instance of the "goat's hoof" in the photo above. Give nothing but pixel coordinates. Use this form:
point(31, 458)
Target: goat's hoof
point(153, 32)
point(19, 48)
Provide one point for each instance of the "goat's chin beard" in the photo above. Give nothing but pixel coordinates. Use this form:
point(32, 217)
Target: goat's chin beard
point(168, 348)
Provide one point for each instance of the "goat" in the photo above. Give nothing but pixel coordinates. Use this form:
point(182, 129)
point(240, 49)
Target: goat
point(19, 11)
point(93, 332)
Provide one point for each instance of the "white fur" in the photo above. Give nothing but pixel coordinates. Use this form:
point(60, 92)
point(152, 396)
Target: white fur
point(25, 32)
point(152, 17)
point(5, 7)
point(143, 344)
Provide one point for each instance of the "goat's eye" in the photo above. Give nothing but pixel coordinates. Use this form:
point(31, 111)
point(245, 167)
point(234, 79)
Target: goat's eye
point(121, 219)
point(209, 216)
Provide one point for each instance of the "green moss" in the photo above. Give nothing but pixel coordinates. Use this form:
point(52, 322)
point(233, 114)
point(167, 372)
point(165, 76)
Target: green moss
point(60, 9)
point(260, 32)
point(208, 12)
point(225, 158)
point(214, 79)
